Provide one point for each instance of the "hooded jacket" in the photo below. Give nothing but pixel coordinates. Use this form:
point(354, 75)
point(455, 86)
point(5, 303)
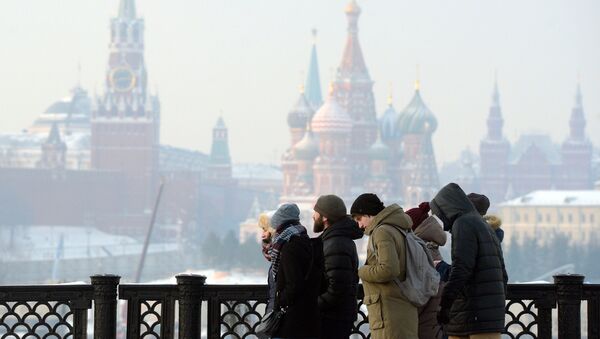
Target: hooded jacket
point(340, 285)
point(391, 315)
point(431, 232)
point(475, 291)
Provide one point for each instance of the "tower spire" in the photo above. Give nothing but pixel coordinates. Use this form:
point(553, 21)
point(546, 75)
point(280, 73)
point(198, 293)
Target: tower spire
point(496, 94)
point(418, 79)
point(127, 9)
point(313, 81)
point(495, 121)
point(353, 63)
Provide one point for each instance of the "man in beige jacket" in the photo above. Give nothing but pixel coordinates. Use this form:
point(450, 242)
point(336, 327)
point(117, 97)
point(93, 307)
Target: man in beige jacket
point(391, 315)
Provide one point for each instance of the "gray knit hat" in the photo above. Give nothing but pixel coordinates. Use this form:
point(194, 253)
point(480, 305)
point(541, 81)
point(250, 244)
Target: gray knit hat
point(331, 206)
point(286, 213)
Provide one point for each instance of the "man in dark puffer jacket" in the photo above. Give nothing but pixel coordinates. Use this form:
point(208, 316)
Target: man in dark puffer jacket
point(474, 298)
point(337, 302)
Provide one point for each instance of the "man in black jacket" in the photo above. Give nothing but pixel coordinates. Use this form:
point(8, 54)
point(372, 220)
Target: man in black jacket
point(337, 302)
point(473, 300)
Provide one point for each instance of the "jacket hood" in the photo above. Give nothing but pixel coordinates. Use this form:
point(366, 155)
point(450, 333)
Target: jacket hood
point(493, 221)
point(346, 227)
point(431, 231)
point(392, 215)
point(450, 203)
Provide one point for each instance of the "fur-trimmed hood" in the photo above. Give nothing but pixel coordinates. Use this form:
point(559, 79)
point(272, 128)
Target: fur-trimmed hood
point(493, 221)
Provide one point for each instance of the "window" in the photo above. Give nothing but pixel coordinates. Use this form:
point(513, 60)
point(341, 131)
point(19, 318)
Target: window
point(539, 218)
point(570, 218)
point(517, 217)
point(561, 219)
point(548, 218)
point(592, 218)
point(525, 217)
point(582, 216)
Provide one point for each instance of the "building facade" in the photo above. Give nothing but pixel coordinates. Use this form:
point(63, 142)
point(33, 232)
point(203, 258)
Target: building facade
point(541, 215)
point(534, 161)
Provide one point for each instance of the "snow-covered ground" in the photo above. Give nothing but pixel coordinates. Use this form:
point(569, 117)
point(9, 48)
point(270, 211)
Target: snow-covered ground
point(38, 243)
point(215, 277)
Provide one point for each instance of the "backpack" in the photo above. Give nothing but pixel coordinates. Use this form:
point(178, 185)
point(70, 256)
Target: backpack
point(422, 280)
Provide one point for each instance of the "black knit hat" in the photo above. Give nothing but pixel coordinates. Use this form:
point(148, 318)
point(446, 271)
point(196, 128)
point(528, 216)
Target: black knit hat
point(480, 201)
point(367, 204)
point(331, 207)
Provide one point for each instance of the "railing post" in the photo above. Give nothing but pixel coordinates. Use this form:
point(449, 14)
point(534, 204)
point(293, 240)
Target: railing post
point(190, 292)
point(105, 305)
point(569, 291)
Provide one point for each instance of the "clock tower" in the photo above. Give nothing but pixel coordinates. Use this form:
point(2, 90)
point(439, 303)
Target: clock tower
point(125, 119)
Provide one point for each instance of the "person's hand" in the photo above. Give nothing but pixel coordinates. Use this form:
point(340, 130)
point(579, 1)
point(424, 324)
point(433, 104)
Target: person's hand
point(443, 316)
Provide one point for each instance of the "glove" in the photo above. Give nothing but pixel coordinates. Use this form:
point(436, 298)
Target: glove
point(443, 316)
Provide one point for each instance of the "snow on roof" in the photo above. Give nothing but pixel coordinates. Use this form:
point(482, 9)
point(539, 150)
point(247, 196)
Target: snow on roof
point(257, 171)
point(556, 198)
point(74, 140)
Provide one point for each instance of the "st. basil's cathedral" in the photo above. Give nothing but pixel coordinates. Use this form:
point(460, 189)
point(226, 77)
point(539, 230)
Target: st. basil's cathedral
point(340, 147)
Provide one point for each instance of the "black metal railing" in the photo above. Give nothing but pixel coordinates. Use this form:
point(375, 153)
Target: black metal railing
point(193, 309)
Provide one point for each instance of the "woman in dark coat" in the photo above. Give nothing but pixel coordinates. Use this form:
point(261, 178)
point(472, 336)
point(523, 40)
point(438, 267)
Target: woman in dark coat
point(296, 270)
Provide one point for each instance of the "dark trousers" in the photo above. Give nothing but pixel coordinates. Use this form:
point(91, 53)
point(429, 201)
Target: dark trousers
point(335, 328)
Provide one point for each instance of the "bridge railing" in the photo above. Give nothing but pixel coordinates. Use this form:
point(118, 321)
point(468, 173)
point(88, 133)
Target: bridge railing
point(193, 309)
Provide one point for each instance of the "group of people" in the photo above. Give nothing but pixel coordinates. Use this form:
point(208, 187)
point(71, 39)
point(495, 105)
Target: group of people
point(315, 280)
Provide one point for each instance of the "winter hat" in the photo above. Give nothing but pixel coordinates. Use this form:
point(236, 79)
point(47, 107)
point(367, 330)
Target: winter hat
point(285, 214)
point(331, 206)
point(367, 204)
point(480, 201)
point(419, 214)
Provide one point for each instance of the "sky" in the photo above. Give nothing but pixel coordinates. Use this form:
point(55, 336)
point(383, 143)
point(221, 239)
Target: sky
point(246, 59)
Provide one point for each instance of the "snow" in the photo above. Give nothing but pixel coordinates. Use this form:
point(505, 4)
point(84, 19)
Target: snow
point(36, 243)
point(556, 198)
point(215, 277)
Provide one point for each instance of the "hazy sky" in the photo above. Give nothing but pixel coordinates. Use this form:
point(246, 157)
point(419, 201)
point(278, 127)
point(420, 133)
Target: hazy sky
point(246, 58)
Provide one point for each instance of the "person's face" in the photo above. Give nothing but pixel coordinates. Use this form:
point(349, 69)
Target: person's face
point(363, 220)
point(266, 236)
point(318, 222)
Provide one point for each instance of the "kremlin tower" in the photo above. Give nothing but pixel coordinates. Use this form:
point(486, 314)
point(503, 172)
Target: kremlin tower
point(494, 152)
point(125, 121)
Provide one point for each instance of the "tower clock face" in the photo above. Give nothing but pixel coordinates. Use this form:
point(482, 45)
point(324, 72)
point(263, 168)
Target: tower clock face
point(122, 79)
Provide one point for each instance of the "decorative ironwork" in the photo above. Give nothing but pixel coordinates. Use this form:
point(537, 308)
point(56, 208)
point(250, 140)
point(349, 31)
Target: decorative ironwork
point(60, 311)
point(361, 325)
point(36, 320)
point(150, 319)
point(521, 319)
point(240, 318)
point(42, 312)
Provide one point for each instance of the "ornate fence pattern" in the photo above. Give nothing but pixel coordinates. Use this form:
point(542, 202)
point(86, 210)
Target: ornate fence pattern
point(233, 311)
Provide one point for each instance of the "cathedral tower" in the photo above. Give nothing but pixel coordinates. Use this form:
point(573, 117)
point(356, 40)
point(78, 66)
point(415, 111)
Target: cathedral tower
point(419, 175)
point(125, 121)
point(353, 90)
point(333, 128)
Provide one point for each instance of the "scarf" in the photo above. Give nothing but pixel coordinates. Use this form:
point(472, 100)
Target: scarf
point(283, 235)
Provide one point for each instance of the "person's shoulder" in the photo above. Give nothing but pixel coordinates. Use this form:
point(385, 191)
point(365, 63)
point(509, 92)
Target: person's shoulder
point(384, 232)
